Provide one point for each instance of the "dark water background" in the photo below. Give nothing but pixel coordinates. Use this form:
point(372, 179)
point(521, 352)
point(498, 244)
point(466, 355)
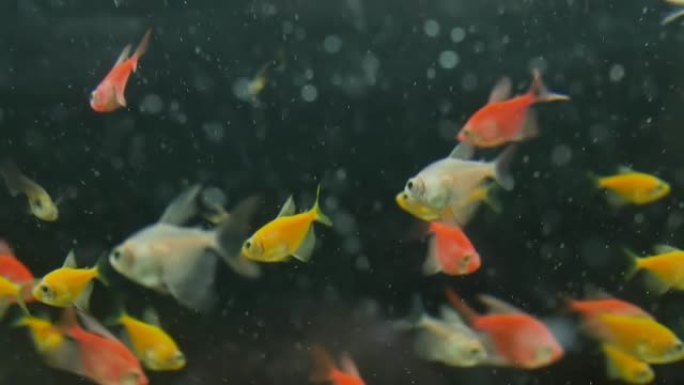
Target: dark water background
point(384, 109)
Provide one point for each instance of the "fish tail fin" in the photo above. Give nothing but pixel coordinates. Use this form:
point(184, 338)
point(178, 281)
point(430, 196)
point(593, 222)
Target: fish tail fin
point(414, 317)
point(14, 179)
point(672, 16)
point(316, 209)
point(232, 232)
point(322, 364)
point(540, 92)
point(594, 178)
point(634, 265)
point(142, 48)
point(100, 267)
point(460, 305)
point(117, 314)
point(502, 166)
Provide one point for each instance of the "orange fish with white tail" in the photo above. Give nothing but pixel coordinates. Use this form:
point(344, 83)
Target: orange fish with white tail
point(505, 119)
point(109, 94)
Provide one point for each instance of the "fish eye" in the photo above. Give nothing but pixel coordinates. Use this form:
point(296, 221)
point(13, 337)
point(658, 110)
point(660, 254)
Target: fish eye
point(466, 258)
point(248, 245)
point(474, 351)
point(410, 185)
point(679, 347)
point(116, 254)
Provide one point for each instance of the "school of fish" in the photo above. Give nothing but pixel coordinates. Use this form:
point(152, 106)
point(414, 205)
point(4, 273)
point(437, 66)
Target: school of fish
point(175, 258)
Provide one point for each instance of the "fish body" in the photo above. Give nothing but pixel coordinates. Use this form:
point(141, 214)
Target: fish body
point(288, 235)
point(326, 371)
point(66, 286)
point(631, 187)
point(182, 261)
point(10, 293)
point(624, 367)
point(15, 271)
point(643, 338)
point(40, 203)
point(665, 269)
point(517, 339)
point(452, 185)
point(152, 345)
point(505, 120)
point(109, 94)
point(450, 251)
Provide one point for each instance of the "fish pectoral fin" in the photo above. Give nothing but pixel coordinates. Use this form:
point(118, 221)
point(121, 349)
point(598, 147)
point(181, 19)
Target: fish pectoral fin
point(615, 200)
point(305, 250)
point(191, 282)
point(663, 249)
point(182, 208)
point(431, 265)
point(288, 208)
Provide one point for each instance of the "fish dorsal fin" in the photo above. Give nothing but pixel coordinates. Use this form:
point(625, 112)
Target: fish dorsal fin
point(463, 151)
point(92, 325)
point(450, 315)
point(497, 306)
point(151, 317)
point(502, 90)
point(594, 292)
point(664, 249)
point(70, 260)
point(288, 208)
point(625, 170)
point(348, 366)
point(5, 247)
point(125, 53)
point(182, 208)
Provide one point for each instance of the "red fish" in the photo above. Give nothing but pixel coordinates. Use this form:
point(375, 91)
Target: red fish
point(15, 271)
point(450, 251)
point(516, 338)
point(96, 354)
point(505, 120)
point(109, 94)
point(593, 308)
point(325, 370)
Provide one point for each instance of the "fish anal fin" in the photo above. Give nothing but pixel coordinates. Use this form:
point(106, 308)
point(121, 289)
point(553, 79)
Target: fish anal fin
point(502, 90)
point(83, 301)
point(191, 280)
point(288, 208)
point(305, 250)
point(92, 325)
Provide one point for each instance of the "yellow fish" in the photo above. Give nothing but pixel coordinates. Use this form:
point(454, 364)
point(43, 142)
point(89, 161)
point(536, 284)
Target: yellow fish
point(40, 203)
point(665, 269)
point(633, 187)
point(46, 336)
point(150, 343)
point(622, 366)
point(67, 285)
point(288, 235)
point(643, 338)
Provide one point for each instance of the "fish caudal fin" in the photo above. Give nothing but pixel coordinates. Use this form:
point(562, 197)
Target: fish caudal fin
point(14, 179)
point(502, 165)
point(232, 233)
point(459, 304)
point(142, 48)
point(634, 267)
point(322, 365)
point(541, 93)
point(316, 209)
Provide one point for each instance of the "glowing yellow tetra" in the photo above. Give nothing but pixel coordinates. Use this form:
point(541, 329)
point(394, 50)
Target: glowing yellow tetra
point(287, 235)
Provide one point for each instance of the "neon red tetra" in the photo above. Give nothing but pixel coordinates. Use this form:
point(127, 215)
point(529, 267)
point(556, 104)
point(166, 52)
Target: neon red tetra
point(325, 371)
point(109, 94)
point(505, 120)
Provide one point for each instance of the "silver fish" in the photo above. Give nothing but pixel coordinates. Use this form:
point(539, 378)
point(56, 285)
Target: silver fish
point(182, 261)
point(449, 183)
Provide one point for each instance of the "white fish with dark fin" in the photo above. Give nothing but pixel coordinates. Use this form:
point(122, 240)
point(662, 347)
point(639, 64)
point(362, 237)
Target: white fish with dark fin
point(447, 339)
point(449, 183)
point(182, 261)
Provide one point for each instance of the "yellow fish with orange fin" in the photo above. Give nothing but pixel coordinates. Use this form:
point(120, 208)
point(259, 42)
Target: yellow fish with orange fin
point(288, 235)
point(632, 187)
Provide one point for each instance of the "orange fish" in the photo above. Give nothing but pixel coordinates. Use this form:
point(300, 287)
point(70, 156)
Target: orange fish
point(15, 271)
point(109, 94)
point(450, 251)
point(593, 308)
point(325, 370)
point(516, 338)
point(96, 354)
point(506, 119)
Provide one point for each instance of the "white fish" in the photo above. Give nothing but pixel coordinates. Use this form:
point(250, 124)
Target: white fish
point(449, 183)
point(447, 339)
point(182, 261)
